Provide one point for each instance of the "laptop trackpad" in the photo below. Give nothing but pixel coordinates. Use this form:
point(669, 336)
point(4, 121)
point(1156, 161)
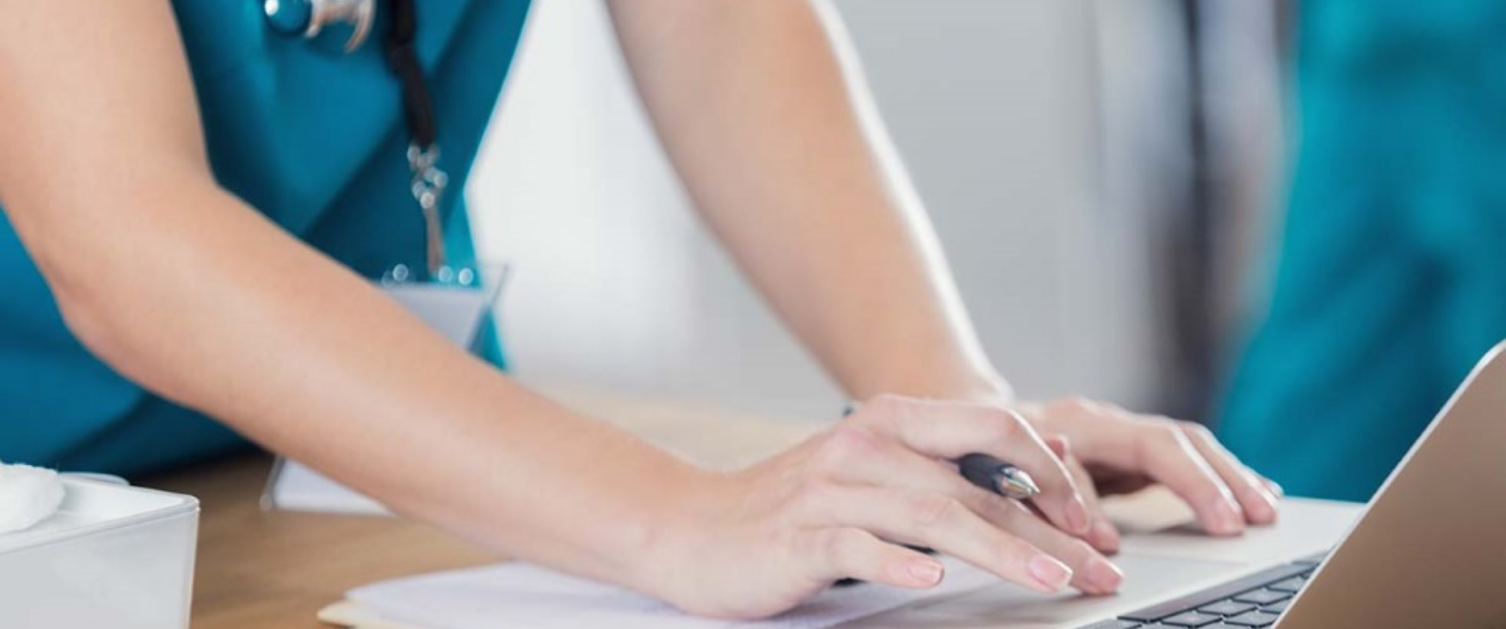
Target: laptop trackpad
point(1148, 580)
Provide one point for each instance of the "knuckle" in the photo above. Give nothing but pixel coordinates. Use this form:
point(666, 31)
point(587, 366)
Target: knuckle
point(842, 445)
point(1080, 404)
point(1003, 425)
point(1195, 430)
point(1169, 433)
point(1158, 441)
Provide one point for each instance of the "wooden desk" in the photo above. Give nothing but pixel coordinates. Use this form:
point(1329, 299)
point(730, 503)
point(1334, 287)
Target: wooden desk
point(258, 569)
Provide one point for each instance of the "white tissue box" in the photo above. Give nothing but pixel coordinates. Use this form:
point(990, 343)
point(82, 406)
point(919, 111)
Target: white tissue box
point(113, 556)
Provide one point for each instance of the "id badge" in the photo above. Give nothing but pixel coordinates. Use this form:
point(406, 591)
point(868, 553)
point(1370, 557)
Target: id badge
point(456, 303)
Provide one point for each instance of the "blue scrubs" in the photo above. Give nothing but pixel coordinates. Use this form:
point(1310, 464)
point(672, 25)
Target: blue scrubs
point(311, 137)
point(1392, 273)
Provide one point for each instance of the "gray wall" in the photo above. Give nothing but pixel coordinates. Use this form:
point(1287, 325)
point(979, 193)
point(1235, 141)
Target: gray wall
point(992, 106)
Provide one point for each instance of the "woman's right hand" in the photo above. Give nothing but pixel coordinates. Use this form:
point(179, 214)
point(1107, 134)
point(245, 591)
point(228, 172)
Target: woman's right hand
point(757, 542)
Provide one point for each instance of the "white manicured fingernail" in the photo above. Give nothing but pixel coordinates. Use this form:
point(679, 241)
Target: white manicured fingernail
point(1104, 575)
point(1053, 575)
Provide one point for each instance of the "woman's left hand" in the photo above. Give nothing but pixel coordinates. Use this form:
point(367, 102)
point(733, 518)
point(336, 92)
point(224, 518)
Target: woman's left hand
point(1111, 450)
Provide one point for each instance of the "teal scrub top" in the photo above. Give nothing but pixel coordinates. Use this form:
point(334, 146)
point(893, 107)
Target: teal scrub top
point(311, 137)
point(1391, 276)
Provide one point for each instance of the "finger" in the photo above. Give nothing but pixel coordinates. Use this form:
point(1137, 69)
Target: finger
point(1258, 502)
point(951, 430)
point(942, 522)
point(1102, 535)
point(841, 553)
point(1059, 446)
point(1158, 448)
point(1167, 455)
point(1274, 487)
point(891, 466)
point(1092, 572)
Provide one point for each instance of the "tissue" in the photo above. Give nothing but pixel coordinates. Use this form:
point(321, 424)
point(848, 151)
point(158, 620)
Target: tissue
point(28, 495)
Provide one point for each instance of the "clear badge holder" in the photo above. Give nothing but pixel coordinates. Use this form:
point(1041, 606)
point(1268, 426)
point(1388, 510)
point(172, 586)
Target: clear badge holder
point(455, 302)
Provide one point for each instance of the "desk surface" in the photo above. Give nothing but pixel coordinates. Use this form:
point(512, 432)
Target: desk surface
point(278, 569)
point(259, 569)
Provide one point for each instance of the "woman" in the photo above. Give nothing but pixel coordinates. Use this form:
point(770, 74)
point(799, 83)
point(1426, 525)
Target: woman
point(202, 200)
point(1392, 275)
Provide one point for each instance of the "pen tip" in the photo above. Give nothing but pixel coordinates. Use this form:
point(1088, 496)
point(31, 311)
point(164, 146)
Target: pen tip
point(1018, 484)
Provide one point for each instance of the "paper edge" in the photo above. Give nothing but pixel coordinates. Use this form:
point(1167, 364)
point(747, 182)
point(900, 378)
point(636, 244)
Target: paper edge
point(348, 613)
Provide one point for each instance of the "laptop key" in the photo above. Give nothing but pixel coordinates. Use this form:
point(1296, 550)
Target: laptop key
point(1262, 597)
point(1191, 619)
point(1253, 619)
point(1214, 594)
point(1278, 607)
point(1115, 624)
point(1227, 608)
point(1290, 586)
point(1313, 560)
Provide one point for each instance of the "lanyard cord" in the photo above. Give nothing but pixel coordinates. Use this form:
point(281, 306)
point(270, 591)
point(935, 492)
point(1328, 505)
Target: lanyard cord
point(403, 61)
point(423, 150)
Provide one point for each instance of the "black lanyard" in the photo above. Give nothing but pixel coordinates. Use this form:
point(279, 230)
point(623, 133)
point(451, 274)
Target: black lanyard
point(423, 148)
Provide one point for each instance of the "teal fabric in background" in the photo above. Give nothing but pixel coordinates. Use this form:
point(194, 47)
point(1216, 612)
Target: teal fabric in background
point(311, 137)
point(1391, 280)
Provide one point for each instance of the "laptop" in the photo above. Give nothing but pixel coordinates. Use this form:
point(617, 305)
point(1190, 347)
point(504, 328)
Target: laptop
point(1428, 551)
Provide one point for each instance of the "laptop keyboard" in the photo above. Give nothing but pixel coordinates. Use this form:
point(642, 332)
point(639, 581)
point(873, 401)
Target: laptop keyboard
point(1257, 600)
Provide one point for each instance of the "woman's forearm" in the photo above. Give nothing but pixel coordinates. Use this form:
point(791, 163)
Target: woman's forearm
point(184, 289)
point(242, 322)
point(784, 158)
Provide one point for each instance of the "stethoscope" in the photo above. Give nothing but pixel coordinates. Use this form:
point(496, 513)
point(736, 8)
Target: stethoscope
point(307, 18)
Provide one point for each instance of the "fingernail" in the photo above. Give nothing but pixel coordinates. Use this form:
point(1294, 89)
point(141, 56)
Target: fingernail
point(1271, 498)
point(927, 573)
point(1267, 511)
point(1104, 575)
point(1228, 518)
point(1051, 574)
point(1276, 489)
point(1105, 537)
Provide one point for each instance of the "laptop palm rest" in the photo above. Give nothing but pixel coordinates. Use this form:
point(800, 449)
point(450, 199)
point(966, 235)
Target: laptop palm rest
point(1005, 605)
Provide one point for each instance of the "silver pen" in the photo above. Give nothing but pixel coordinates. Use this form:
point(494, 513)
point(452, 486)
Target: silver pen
point(998, 476)
point(989, 472)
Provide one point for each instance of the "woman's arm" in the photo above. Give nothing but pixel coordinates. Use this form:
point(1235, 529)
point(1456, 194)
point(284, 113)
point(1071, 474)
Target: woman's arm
point(183, 288)
point(790, 167)
point(778, 142)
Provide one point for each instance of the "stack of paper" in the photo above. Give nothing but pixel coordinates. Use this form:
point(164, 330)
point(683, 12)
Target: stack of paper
point(522, 596)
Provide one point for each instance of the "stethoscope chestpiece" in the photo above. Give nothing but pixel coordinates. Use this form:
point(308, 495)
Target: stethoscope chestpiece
point(307, 17)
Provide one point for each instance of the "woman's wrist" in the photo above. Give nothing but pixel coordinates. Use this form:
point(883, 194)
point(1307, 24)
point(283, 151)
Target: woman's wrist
point(970, 385)
point(676, 515)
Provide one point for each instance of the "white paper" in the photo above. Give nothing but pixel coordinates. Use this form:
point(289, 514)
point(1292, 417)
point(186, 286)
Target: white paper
point(521, 596)
point(296, 487)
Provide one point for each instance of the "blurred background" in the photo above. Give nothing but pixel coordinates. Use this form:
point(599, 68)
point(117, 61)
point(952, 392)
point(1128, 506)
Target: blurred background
point(1101, 173)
